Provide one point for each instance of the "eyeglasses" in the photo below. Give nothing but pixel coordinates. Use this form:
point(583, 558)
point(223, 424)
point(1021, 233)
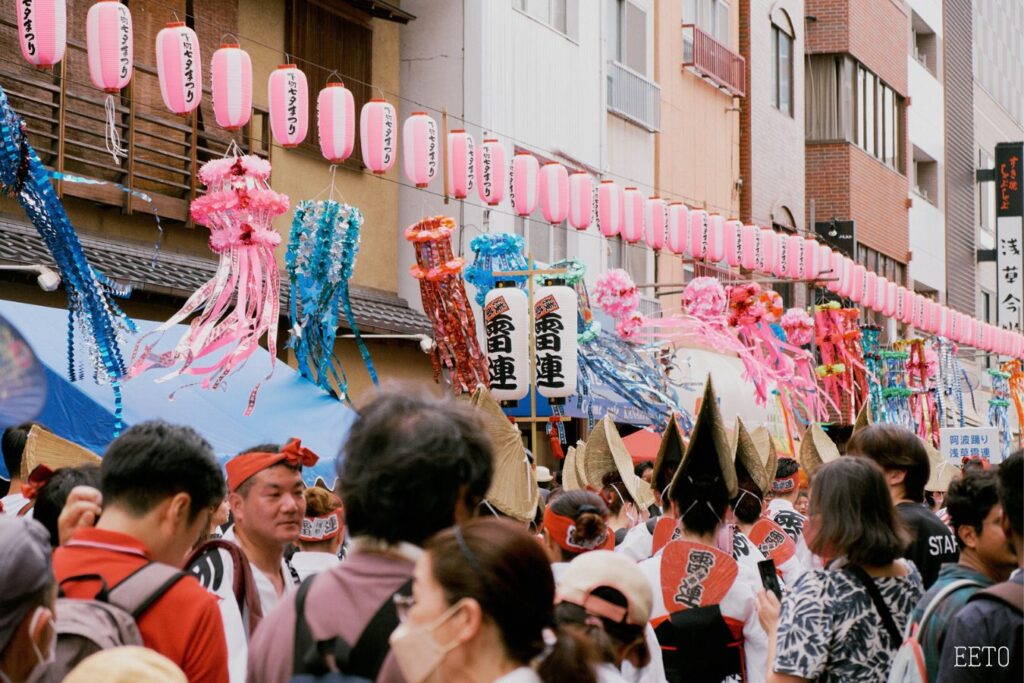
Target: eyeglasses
point(403, 603)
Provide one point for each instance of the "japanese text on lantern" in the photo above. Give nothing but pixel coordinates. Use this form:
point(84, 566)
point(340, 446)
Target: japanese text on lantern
point(500, 327)
point(548, 330)
point(292, 85)
point(28, 26)
point(123, 48)
point(188, 57)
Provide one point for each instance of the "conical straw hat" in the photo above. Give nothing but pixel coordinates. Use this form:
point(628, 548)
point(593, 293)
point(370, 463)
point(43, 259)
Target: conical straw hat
point(816, 449)
point(670, 454)
point(43, 447)
point(748, 461)
point(863, 418)
point(710, 449)
point(513, 489)
point(766, 450)
point(569, 480)
point(941, 470)
point(605, 452)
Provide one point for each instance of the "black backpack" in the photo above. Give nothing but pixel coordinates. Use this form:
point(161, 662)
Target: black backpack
point(335, 660)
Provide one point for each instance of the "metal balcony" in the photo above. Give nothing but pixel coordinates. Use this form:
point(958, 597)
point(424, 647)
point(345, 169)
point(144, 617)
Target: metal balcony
point(713, 61)
point(634, 97)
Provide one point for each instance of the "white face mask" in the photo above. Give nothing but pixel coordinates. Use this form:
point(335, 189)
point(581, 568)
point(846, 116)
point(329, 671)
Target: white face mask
point(44, 661)
point(631, 515)
point(418, 653)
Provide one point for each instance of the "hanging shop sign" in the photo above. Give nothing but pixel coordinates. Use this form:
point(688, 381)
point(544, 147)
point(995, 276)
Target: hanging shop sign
point(1010, 236)
point(506, 326)
point(554, 326)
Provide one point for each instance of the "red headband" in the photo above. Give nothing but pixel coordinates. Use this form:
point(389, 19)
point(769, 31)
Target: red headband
point(36, 481)
point(321, 528)
point(241, 468)
point(785, 484)
point(561, 528)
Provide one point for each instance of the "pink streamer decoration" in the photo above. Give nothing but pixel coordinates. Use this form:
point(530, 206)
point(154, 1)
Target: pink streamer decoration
point(239, 305)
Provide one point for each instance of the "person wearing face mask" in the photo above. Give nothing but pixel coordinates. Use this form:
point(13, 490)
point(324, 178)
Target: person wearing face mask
point(159, 483)
point(412, 465)
point(482, 601)
point(26, 600)
point(703, 609)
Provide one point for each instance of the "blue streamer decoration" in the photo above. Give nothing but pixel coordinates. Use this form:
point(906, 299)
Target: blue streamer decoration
point(999, 409)
point(92, 314)
point(495, 253)
point(321, 255)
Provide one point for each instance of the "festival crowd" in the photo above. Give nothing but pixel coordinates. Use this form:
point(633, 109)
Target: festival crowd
point(431, 560)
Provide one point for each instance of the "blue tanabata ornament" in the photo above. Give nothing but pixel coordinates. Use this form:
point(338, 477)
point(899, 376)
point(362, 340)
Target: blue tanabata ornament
point(321, 255)
point(94, 320)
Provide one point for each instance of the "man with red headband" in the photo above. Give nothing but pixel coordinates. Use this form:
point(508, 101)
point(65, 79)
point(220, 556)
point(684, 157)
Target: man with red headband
point(265, 493)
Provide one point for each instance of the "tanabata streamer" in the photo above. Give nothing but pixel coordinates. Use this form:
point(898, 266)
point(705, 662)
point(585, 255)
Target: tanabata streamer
point(444, 301)
point(920, 372)
point(999, 409)
point(616, 363)
point(495, 252)
point(895, 392)
point(94, 320)
point(873, 365)
point(842, 371)
point(321, 255)
point(949, 391)
point(240, 304)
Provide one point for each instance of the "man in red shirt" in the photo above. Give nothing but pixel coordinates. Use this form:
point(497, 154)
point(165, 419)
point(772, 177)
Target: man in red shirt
point(160, 484)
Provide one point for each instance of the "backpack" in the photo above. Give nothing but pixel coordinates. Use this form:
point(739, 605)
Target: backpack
point(109, 620)
point(908, 664)
point(335, 660)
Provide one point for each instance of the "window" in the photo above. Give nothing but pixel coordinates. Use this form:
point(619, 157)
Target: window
point(630, 36)
point(926, 177)
point(335, 41)
point(879, 129)
point(554, 13)
point(712, 16)
point(782, 71)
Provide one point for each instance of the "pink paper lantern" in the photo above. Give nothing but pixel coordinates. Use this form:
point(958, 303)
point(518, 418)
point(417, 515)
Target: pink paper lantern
point(179, 68)
point(524, 183)
point(892, 292)
point(794, 257)
point(554, 192)
point(855, 291)
point(633, 218)
point(288, 96)
point(678, 227)
point(904, 305)
point(611, 208)
point(732, 232)
point(461, 160)
point(378, 135)
point(420, 148)
point(335, 122)
point(809, 256)
point(936, 318)
point(954, 325)
point(231, 71)
point(715, 250)
point(849, 275)
point(767, 245)
point(490, 179)
point(108, 40)
point(581, 200)
point(917, 318)
point(837, 267)
point(655, 222)
point(880, 293)
point(986, 337)
point(42, 31)
point(870, 289)
point(945, 319)
point(750, 247)
point(967, 331)
point(780, 266)
point(700, 226)
point(824, 258)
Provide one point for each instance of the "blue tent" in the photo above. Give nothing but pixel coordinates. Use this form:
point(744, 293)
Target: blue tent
point(287, 404)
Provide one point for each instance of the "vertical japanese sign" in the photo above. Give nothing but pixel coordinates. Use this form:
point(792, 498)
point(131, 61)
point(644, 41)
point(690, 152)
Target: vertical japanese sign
point(555, 330)
point(506, 324)
point(1009, 236)
point(957, 443)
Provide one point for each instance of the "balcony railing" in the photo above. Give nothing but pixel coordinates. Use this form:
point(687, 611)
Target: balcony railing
point(634, 97)
point(714, 61)
point(66, 120)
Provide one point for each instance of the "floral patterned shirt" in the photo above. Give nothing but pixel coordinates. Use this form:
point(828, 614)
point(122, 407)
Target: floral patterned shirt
point(830, 630)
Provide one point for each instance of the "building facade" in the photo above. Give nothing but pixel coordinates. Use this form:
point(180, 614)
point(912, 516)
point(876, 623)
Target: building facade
point(857, 155)
point(64, 113)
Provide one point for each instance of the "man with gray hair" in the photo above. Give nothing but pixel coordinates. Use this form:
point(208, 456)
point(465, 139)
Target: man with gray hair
point(27, 631)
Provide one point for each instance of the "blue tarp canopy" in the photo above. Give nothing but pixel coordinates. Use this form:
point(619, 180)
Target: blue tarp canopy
point(287, 405)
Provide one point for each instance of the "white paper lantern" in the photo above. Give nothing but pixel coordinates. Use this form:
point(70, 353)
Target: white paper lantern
point(554, 326)
point(506, 316)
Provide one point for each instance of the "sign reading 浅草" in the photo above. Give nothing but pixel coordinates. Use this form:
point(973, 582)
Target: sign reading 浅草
point(966, 442)
point(1010, 236)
